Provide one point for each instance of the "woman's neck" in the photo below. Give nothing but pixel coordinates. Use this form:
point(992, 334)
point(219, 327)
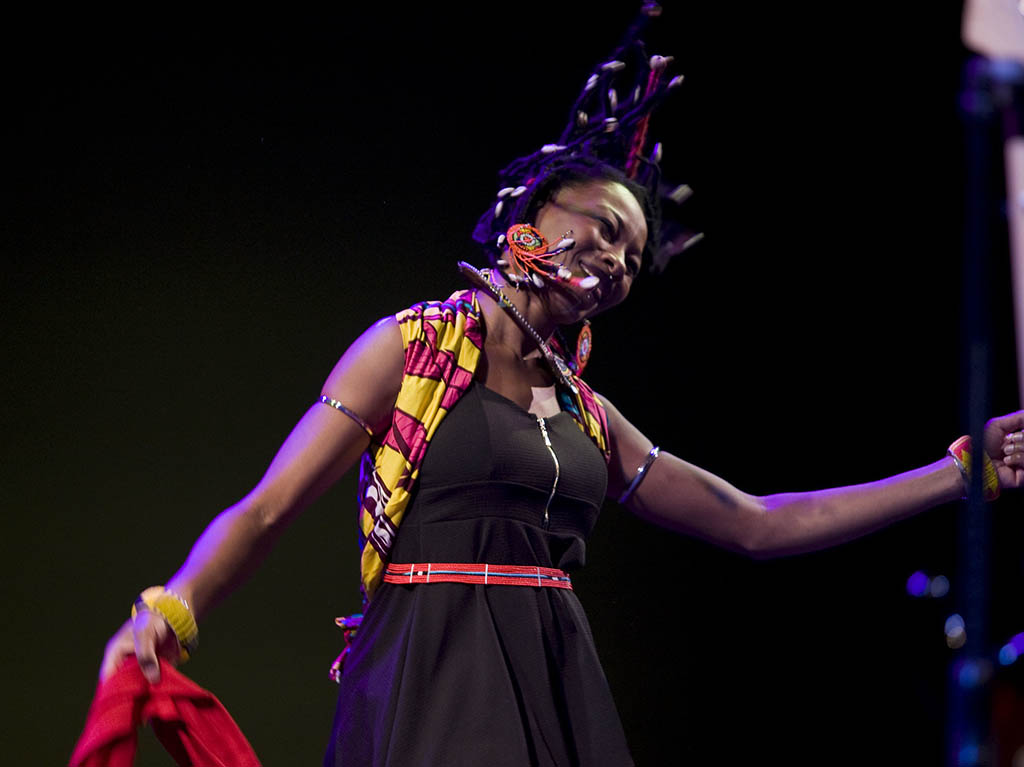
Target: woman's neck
point(504, 330)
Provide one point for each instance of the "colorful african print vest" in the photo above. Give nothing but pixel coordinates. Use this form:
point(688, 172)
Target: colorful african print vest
point(443, 342)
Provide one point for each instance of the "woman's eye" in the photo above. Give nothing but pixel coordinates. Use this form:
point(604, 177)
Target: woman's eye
point(607, 230)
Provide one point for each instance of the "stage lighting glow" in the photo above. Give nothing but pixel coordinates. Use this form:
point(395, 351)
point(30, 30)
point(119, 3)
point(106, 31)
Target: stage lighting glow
point(973, 672)
point(1012, 650)
point(939, 586)
point(970, 674)
point(969, 754)
point(956, 633)
point(917, 584)
point(956, 640)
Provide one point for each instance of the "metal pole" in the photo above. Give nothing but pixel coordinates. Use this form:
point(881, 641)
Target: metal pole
point(986, 99)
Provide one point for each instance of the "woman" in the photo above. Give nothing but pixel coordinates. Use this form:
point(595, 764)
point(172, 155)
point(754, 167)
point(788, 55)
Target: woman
point(517, 467)
point(422, 647)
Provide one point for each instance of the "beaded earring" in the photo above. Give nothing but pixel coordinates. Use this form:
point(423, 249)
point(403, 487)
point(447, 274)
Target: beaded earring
point(528, 252)
point(584, 345)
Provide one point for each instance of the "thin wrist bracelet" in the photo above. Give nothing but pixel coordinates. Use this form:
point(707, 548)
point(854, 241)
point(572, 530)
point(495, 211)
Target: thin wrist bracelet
point(961, 453)
point(640, 474)
point(173, 608)
point(963, 472)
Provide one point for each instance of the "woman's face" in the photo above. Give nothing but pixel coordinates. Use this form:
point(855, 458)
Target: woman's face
point(610, 231)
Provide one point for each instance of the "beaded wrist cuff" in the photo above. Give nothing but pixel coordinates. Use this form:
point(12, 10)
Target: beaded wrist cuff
point(960, 451)
point(175, 610)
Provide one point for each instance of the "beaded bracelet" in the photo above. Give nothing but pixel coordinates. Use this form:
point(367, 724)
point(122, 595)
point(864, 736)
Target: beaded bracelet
point(174, 609)
point(960, 452)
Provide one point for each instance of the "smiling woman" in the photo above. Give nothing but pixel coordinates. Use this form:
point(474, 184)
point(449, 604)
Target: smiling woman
point(484, 460)
point(610, 232)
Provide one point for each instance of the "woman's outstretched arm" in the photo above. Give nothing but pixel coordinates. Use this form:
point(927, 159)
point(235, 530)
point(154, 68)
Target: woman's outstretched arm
point(684, 497)
point(324, 444)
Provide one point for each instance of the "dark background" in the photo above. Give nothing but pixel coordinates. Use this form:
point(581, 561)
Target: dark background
point(204, 213)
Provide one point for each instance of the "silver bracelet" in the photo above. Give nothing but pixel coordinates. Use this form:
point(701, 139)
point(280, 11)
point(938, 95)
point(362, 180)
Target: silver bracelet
point(963, 473)
point(354, 416)
point(640, 474)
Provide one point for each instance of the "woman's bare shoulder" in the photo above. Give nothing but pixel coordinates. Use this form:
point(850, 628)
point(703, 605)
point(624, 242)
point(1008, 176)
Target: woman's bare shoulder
point(368, 376)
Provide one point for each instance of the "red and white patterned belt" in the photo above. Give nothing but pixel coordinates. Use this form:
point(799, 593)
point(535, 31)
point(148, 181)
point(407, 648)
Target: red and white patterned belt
point(489, 575)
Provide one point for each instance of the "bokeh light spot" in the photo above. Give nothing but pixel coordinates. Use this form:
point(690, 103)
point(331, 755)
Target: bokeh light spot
point(939, 586)
point(917, 584)
point(956, 634)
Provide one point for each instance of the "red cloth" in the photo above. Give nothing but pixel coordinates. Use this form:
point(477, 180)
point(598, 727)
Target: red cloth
point(189, 721)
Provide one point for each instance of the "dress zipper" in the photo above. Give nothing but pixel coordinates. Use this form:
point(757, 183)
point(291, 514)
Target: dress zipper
point(554, 485)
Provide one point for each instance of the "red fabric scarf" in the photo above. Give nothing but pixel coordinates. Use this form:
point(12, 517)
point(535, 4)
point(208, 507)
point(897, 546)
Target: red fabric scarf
point(189, 721)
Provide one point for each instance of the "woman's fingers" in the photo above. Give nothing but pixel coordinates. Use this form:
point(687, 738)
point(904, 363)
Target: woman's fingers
point(148, 638)
point(1013, 459)
point(145, 651)
point(1010, 465)
point(120, 646)
point(1011, 474)
point(999, 430)
point(152, 635)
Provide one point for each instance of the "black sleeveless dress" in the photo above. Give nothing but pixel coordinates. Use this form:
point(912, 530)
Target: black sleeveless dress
point(461, 674)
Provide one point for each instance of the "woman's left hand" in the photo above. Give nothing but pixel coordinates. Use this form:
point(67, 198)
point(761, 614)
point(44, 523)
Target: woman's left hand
point(1004, 443)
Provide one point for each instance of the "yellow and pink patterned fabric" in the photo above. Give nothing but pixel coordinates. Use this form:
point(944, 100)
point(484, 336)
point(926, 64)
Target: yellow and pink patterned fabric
point(443, 342)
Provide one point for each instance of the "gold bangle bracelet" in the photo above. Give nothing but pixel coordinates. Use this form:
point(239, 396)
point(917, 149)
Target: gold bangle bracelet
point(174, 609)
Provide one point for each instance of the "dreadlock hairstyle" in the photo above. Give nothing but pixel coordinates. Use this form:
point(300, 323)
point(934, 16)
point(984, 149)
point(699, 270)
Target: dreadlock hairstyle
point(605, 139)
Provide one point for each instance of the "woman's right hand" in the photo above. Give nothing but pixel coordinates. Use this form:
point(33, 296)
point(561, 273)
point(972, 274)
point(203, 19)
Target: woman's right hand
point(149, 638)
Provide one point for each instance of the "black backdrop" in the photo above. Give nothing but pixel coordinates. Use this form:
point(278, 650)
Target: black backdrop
point(203, 214)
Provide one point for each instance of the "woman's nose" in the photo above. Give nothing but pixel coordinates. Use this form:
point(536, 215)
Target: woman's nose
point(614, 265)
